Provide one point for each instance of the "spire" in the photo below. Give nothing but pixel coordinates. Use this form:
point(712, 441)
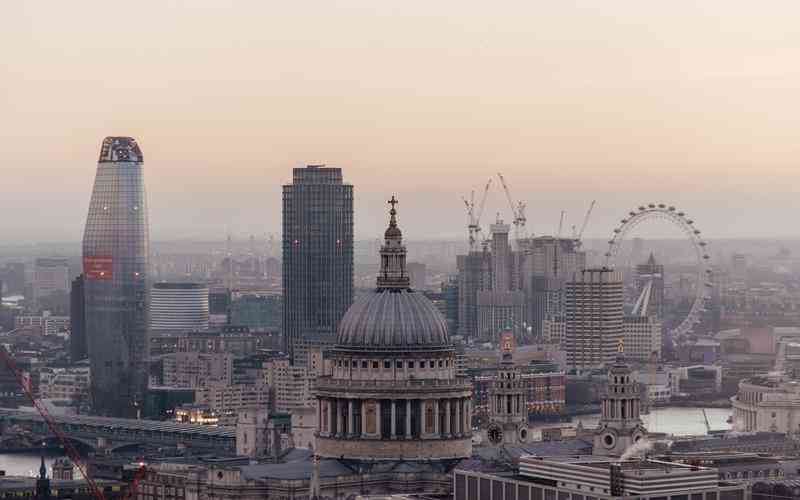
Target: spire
point(393, 274)
point(42, 469)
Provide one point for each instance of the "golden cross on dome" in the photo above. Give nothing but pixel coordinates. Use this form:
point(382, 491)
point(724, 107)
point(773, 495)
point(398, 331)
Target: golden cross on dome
point(393, 202)
point(621, 346)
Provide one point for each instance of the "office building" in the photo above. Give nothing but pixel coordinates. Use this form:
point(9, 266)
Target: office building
point(179, 307)
point(196, 369)
point(594, 318)
point(417, 272)
point(642, 336)
point(77, 319)
point(67, 383)
point(259, 313)
point(580, 477)
point(50, 276)
point(46, 323)
point(219, 303)
point(317, 255)
point(116, 248)
point(550, 263)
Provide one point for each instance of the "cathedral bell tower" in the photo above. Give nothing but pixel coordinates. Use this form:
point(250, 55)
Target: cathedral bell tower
point(508, 407)
point(620, 426)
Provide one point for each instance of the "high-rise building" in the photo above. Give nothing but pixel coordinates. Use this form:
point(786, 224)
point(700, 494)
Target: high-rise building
point(179, 306)
point(594, 317)
point(77, 319)
point(50, 276)
point(116, 248)
point(317, 256)
point(550, 263)
point(417, 272)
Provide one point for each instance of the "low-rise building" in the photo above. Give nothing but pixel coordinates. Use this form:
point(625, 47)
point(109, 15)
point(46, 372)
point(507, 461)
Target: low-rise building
point(767, 404)
point(584, 477)
point(48, 324)
point(71, 383)
point(231, 399)
point(195, 369)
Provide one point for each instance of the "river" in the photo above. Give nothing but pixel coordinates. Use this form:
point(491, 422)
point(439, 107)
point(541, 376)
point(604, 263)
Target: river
point(670, 420)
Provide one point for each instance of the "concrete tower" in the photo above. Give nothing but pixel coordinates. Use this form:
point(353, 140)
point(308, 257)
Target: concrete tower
point(508, 409)
point(116, 248)
point(620, 426)
point(594, 318)
point(317, 257)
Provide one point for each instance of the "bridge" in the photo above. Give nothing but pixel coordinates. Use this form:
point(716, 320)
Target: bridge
point(119, 433)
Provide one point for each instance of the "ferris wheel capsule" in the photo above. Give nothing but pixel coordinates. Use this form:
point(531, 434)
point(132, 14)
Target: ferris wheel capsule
point(617, 230)
point(696, 231)
point(632, 214)
point(641, 208)
point(661, 205)
point(706, 257)
point(652, 205)
point(681, 214)
point(624, 221)
point(689, 221)
point(671, 209)
point(702, 243)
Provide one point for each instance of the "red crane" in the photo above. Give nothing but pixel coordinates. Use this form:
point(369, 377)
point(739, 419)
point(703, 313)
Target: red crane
point(51, 424)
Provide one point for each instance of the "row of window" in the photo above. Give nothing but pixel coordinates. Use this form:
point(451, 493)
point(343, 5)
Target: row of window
point(398, 364)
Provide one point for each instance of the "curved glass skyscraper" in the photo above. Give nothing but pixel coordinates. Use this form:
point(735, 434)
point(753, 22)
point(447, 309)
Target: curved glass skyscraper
point(116, 248)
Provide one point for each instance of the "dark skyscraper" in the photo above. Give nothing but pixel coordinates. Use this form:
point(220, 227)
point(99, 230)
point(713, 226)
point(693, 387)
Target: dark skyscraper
point(317, 256)
point(115, 266)
point(77, 321)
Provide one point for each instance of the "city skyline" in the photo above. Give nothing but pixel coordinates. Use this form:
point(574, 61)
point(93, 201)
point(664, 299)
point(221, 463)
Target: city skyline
point(684, 104)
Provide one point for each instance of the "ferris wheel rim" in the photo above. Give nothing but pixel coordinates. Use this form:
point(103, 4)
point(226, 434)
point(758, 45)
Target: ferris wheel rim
point(679, 218)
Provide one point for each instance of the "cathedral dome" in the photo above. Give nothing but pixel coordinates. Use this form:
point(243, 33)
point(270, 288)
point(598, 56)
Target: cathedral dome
point(393, 319)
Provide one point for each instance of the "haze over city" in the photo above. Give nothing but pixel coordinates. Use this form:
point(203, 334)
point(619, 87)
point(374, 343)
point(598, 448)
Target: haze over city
point(692, 104)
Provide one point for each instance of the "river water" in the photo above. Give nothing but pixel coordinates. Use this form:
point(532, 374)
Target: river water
point(675, 421)
point(25, 464)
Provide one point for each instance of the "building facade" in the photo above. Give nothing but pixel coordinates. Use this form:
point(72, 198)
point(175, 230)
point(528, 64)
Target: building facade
point(50, 276)
point(179, 306)
point(48, 324)
point(195, 369)
point(642, 336)
point(116, 248)
point(69, 383)
point(317, 254)
point(594, 318)
point(393, 393)
point(77, 319)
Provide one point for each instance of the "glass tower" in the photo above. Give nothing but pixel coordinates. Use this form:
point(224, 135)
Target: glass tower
point(317, 257)
point(115, 265)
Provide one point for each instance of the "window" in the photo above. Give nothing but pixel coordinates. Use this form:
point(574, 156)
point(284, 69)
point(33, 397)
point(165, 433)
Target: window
point(374, 365)
point(387, 364)
point(422, 364)
point(399, 364)
point(364, 365)
point(440, 363)
point(411, 364)
point(355, 364)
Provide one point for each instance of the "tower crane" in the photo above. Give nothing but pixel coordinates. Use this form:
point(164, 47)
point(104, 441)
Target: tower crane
point(474, 227)
point(579, 235)
point(51, 424)
point(517, 210)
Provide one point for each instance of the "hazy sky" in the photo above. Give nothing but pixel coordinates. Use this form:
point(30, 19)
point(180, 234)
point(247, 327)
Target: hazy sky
point(628, 101)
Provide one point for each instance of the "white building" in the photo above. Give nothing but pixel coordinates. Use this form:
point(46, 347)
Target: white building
point(49, 325)
point(68, 383)
point(554, 330)
point(196, 369)
point(292, 384)
point(50, 276)
point(179, 306)
point(642, 336)
point(767, 404)
point(232, 399)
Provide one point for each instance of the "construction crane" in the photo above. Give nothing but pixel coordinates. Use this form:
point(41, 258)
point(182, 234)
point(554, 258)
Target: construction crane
point(474, 215)
point(517, 211)
point(51, 424)
point(579, 235)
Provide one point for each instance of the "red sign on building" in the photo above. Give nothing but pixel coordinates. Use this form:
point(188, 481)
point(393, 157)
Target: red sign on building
point(98, 268)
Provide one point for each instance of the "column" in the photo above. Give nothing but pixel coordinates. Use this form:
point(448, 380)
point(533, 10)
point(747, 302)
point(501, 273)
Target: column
point(459, 421)
point(340, 417)
point(378, 418)
point(331, 408)
point(447, 417)
point(422, 429)
point(394, 420)
point(363, 418)
point(320, 402)
point(350, 419)
point(467, 416)
point(408, 419)
point(436, 419)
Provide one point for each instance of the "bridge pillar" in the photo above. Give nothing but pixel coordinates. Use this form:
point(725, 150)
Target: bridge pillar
point(102, 443)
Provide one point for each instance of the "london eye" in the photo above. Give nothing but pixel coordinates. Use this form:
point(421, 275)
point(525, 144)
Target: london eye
point(704, 274)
